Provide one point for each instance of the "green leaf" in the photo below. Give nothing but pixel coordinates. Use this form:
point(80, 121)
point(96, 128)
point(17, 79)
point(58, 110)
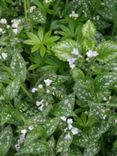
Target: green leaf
point(10, 115)
point(41, 34)
point(63, 50)
point(18, 66)
point(63, 144)
point(65, 107)
point(6, 138)
point(36, 133)
point(33, 37)
point(12, 89)
point(88, 30)
point(105, 81)
point(51, 125)
point(38, 16)
point(84, 91)
point(107, 51)
point(37, 147)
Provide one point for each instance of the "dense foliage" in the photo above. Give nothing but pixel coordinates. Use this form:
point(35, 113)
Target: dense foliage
point(58, 78)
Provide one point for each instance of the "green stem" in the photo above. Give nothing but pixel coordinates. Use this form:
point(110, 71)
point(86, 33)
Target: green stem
point(26, 92)
point(25, 9)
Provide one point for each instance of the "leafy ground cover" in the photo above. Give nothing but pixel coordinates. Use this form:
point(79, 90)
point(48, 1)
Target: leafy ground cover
point(58, 78)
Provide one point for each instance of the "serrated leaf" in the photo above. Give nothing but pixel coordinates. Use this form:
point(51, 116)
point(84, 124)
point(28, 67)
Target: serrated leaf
point(63, 50)
point(18, 66)
point(65, 107)
point(12, 89)
point(6, 138)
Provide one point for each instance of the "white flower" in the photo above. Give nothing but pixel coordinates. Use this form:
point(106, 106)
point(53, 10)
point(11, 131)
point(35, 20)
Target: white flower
point(47, 91)
point(8, 26)
point(4, 55)
point(48, 82)
point(3, 21)
point(115, 120)
point(30, 128)
point(48, 1)
point(71, 62)
point(75, 52)
point(91, 54)
point(15, 31)
point(69, 121)
point(17, 147)
point(41, 107)
point(74, 131)
point(38, 103)
point(40, 86)
point(67, 136)
point(72, 66)
point(73, 15)
point(32, 8)
point(23, 131)
point(63, 118)
point(1, 30)
point(15, 23)
point(34, 90)
point(70, 126)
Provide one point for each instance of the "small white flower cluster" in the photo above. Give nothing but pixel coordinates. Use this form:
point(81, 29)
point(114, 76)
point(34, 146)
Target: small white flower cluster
point(21, 139)
point(40, 86)
point(15, 24)
point(3, 56)
point(70, 127)
point(3, 21)
point(73, 15)
point(32, 8)
point(41, 104)
point(91, 54)
point(96, 17)
point(71, 62)
point(48, 1)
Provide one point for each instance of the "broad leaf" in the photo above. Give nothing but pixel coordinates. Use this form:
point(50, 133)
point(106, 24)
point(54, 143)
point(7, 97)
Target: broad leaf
point(6, 138)
point(12, 89)
point(65, 107)
point(18, 66)
point(63, 50)
point(107, 51)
